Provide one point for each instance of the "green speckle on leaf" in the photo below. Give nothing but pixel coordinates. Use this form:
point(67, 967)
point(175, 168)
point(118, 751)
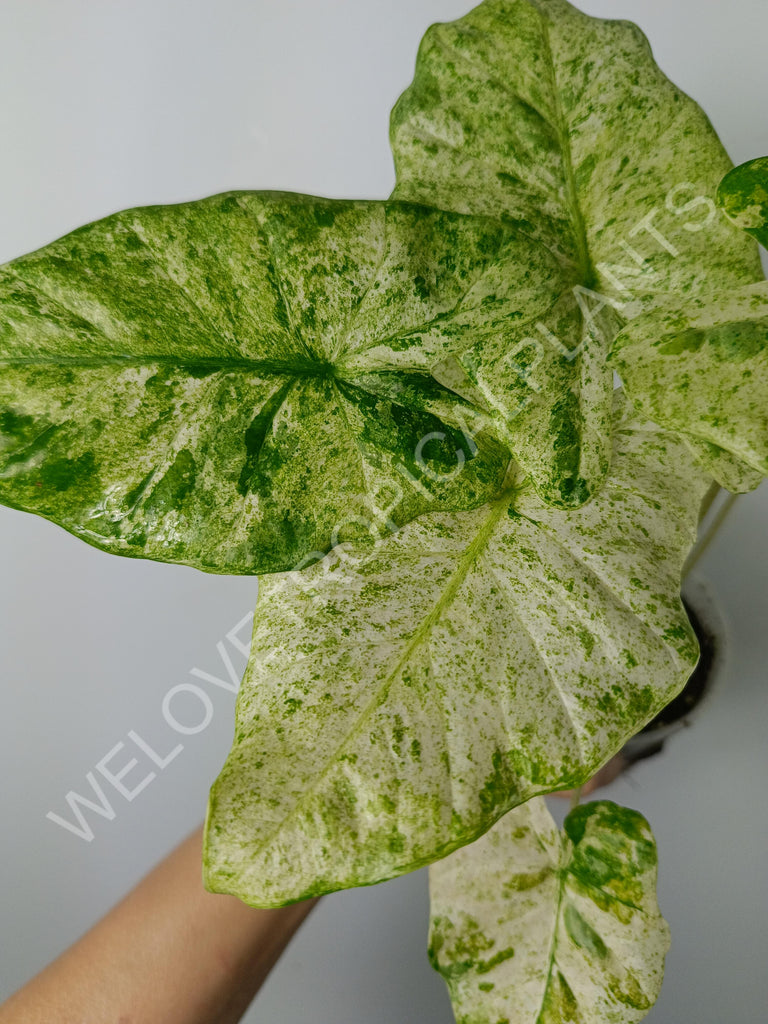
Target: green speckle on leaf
point(173, 486)
point(561, 927)
point(61, 474)
point(496, 612)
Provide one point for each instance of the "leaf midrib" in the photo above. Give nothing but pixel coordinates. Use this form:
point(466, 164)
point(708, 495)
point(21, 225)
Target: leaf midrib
point(465, 564)
point(562, 873)
point(586, 269)
point(312, 368)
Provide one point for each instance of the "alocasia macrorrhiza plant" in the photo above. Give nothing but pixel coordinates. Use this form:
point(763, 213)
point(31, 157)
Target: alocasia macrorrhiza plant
point(405, 415)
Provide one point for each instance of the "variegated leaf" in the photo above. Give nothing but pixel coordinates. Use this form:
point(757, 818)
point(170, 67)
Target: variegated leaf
point(743, 197)
point(530, 925)
point(391, 711)
point(702, 370)
point(207, 383)
point(563, 125)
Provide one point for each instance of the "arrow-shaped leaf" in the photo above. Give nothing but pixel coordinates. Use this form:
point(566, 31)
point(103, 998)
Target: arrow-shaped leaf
point(391, 712)
point(240, 382)
point(533, 926)
point(563, 125)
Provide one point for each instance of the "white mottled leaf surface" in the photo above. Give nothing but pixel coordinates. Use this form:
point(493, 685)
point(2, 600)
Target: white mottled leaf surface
point(392, 711)
point(562, 124)
point(204, 383)
point(702, 369)
point(530, 925)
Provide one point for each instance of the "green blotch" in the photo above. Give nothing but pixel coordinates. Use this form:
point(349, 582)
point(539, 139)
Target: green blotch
point(398, 734)
point(560, 1006)
point(61, 474)
point(737, 342)
point(733, 342)
point(18, 424)
point(486, 986)
point(605, 703)
point(570, 489)
point(133, 496)
point(255, 469)
point(339, 804)
point(326, 218)
point(484, 966)
point(585, 170)
point(630, 659)
point(687, 341)
point(525, 360)
point(396, 841)
point(743, 195)
point(174, 486)
point(678, 634)
point(500, 785)
point(32, 437)
point(522, 883)
point(421, 287)
point(604, 815)
point(630, 993)
point(456, 947)
point(637, 705)
point(384, 803)
point(198, 371)
point(583, 934)
point(613, 850)
point(586, 638)
point(229, 204)
point(99, 262)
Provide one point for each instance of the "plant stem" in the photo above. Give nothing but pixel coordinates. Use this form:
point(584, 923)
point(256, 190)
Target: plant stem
point(575, 798)
point(708, 501)
point(703, 545)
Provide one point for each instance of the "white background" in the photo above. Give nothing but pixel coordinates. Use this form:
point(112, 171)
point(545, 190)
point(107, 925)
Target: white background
point(106, 105)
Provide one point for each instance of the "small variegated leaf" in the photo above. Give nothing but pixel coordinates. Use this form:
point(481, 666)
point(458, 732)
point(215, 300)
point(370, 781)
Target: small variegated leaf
point(242, 382)
point(743, 197)
point(391, 711)
point(702, 369)
point(562, 124)
point(530, 925)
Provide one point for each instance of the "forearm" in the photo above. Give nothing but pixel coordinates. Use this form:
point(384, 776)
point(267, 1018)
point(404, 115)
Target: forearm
point(170, 952)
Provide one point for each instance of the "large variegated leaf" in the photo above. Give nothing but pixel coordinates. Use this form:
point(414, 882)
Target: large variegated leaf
point(562, 124)
point(392, 711)
point(743, 197)
point(535, 926)
point(702, 369)
point(203, 383)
